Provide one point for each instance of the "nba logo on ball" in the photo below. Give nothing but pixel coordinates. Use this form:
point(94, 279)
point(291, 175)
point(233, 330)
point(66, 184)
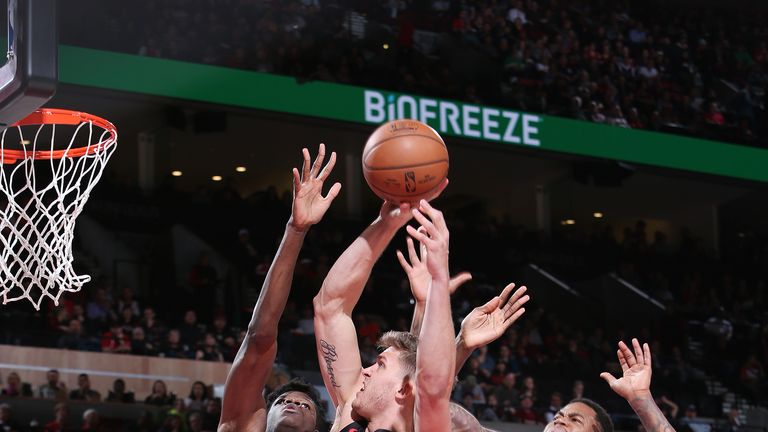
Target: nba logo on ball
point(405, 161)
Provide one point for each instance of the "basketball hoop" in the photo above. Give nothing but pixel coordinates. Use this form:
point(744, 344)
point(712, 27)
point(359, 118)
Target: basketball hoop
point(43, 188)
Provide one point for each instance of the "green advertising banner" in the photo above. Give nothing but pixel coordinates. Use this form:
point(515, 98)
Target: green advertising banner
point(255, 90)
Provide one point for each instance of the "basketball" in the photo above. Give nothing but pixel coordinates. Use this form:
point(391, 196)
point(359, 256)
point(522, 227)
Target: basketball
point(404, 161)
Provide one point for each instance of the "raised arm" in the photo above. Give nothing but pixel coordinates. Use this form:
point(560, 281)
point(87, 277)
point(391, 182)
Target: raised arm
point(436, 355)
point(419, 279)
point(335, 333)
point(488, 322)
point(253, 362)
point(635, 386)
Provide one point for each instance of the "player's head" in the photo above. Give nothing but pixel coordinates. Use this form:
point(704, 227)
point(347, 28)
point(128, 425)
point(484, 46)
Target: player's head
point(581, 415)
point(388, 383)
point(295, 406)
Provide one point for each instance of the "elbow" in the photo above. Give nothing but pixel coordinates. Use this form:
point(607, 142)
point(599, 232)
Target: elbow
point(324, 307)
point(261, 339)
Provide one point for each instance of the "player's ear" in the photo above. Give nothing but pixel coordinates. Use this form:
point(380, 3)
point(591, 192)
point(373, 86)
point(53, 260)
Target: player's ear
point(405, 391)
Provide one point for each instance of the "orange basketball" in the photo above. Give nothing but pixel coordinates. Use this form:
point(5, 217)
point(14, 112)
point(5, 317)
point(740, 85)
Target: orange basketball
point(404, 161)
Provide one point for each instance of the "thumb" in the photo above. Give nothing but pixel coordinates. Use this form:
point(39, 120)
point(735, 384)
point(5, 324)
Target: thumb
point(491, 305)
point(459, 280)
point(610, 379)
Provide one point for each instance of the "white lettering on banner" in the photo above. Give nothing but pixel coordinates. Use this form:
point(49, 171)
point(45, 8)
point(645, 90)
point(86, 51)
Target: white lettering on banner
point(509, 134)
point(528, 129)
point(453, 117)
point(489, 124)
point(463, 120)
point(425, 113)
point(374, 107)
point(469, 120)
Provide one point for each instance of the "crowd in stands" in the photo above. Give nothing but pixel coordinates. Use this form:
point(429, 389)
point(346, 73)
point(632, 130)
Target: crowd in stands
point(197, 412)
point(664, 66)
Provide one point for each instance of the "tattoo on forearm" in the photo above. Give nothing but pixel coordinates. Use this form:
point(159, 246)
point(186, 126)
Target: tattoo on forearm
point(330, 356)
point(650, 415)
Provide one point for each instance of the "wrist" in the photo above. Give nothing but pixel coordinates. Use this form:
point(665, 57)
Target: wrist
point(641, 395)
point(296, 228)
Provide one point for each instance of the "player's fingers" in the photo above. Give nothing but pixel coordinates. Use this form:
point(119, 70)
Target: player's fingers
point(458, 280)
point(431, 231)
point(333, 192)
point(491, 305)
point(418, 235)
point(412, 251)
point(622, 360)
point(506, 292)
point(438, 190)
point(518, 294)
point(638, 351)
point(306, 165)
point(608, 377)
point(434, 214)
point(508, 321)
point(318, 161)
point(328, 168)
point(422, 250)
point(296, 180)
point(511, 307)
point(647, 353)
point(631, 360)
point(403, 261)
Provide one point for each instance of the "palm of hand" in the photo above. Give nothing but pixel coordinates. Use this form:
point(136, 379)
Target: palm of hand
point(636, 379)
point(480, 328)
point(308, 203)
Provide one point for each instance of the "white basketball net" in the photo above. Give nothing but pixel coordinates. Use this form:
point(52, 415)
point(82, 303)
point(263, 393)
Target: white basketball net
point(40, 198)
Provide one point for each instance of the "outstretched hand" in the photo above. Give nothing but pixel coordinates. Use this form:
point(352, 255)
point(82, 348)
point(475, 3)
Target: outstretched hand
point(434, 235)
point(488, 322)
point(418, 275)
point(309, 204)
point(636, 368)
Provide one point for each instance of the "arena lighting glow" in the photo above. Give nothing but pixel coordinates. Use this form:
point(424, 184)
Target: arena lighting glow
point(385, 46)
point(216, 178)
point(597, 215)
point(241, 169)
point(567, 222)
point(176, 173)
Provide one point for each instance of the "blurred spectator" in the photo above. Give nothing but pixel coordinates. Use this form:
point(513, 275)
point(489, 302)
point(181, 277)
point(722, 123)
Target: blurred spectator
point(209, 349)
point(692, 420)
point(160, 395)
point(555, 404)
point(525, 413)
point(139, 343)
point(173, 347)
point(195, 421)
point(190, 331)
point(577, 390)
point(127, 300)
point(119, 394)
point(173, 422)
point(507, 395)
point(99, 309)
point(91, 420)
point(7, 423)
point(84, 391)
point(198, 397)
point(14, 387)
point(53, 388)
point(74, 339)
point(212, 414)
point(60, 413)
point(115, 340)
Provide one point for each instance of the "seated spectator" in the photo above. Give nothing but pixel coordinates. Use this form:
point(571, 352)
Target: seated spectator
point(115, 340)
point(14, 387)
point(212, 414)
point(173, 347)
point(160, 395)
point(126, 300)
point(209, 350)
point(99, 309)
point(84, 391)
point(713, 116)
point(74, 338)
point(220, 330)
point(198, 397)
point(491, 410)
point(190, 331)
point(53, 389)
point(118, 393)
point(154, 330)
point(195, 422)
point(507, 396)
point(173, 422)
point(525, 413)
point(7, 423)
point(555, 404)
point(577, 391)
point(139, 343)
point(693, 422)
point(61, 413)
point(91, 421)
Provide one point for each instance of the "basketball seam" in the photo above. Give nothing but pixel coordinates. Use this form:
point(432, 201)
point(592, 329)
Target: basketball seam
point(369, 168)
point(373, 186)
point(365, 153)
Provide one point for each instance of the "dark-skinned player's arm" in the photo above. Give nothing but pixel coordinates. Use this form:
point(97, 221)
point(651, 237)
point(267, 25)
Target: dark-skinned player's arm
point(243, 406)
point(436, 355)
point(635, 386)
